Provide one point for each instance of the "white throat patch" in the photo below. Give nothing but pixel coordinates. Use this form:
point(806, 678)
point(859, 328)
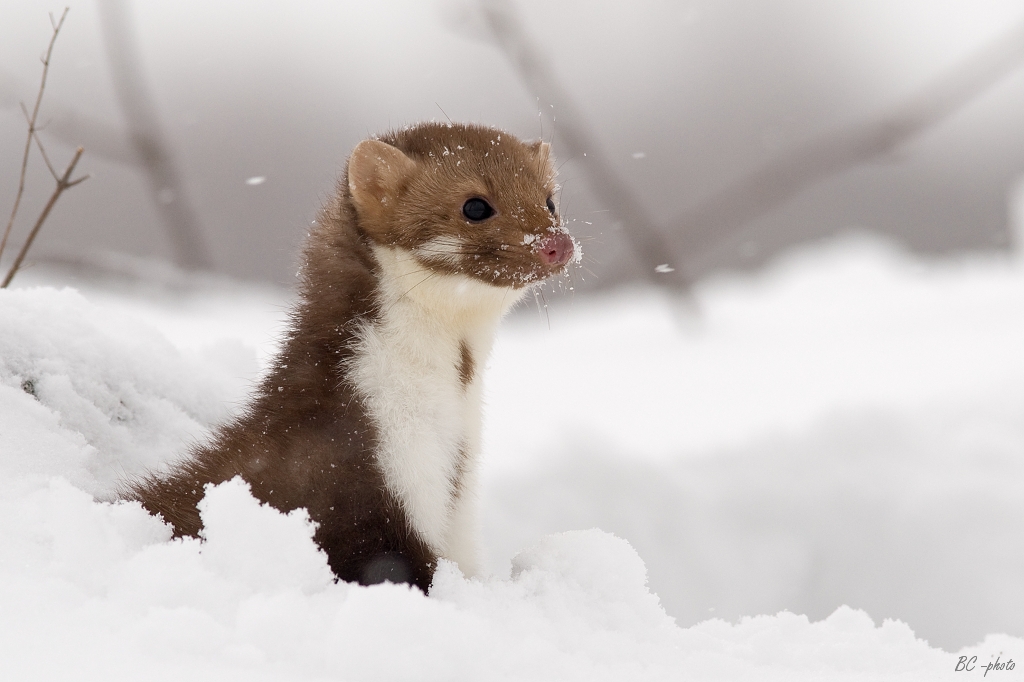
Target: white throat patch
point(406, 369)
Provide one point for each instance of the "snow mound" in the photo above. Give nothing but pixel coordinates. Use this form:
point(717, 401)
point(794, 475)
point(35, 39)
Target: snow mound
point(101, 584)
point(93, 395)
point(92, 589)
point(256, 544)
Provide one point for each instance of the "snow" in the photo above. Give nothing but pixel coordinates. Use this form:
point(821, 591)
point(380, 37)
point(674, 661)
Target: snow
point(842, 429)
point(838, 436)
point(110, 396)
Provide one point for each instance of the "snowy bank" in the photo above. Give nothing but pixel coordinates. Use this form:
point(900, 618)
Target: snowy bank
point(99, 593)
point(846, 427)
point(891, 483)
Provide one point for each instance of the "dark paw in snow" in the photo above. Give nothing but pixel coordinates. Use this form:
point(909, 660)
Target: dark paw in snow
point(388, 567)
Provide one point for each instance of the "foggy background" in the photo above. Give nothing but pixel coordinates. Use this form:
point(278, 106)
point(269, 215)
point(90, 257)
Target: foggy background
point(706, 136)
point(678, 106)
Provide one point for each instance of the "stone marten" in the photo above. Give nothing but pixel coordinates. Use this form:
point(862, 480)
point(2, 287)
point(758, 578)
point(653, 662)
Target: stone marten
point(369, 416)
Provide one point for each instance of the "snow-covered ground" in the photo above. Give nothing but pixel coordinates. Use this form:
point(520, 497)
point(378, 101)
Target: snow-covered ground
point(846, 428)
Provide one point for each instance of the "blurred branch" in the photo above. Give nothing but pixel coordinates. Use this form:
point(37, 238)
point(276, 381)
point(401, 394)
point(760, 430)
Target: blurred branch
point(166, 189)
point(721, 216)
point(63, 182)
point(577, 136)
point(32, 129)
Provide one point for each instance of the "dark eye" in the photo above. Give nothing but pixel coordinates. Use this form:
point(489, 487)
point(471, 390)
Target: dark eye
point(477, 210)
point(551, 206)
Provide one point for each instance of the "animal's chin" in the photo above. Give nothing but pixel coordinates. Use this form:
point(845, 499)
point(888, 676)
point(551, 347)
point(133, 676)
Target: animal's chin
point(519, 279)
point(541, 277)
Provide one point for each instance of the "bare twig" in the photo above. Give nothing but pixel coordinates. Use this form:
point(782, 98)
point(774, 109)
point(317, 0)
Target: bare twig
point(63, 182)
point(577, 136)
point(721, 216)
point(166, 188)
point(32, 128)
point(46, 159)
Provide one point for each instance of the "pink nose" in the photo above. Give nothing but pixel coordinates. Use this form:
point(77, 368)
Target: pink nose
point(555, 249)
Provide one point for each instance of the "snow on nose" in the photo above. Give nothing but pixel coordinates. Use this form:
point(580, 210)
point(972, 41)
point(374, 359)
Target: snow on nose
point(555, 249)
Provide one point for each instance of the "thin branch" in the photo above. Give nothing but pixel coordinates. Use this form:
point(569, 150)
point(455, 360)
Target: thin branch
point(577, 136)
point(167, 191)
point(46, 159)
point(63, 182)
point(32, 129)
point(723, 215)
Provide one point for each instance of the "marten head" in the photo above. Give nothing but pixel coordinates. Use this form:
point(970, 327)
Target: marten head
point(463, 199)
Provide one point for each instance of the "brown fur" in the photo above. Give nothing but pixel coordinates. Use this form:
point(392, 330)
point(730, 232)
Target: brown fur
point(466, 366)
point(304, 439)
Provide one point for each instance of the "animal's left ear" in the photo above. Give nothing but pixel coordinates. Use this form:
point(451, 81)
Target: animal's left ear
point(376, 173)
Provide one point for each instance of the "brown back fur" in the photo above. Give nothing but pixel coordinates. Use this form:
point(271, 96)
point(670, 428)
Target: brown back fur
point(303, 439)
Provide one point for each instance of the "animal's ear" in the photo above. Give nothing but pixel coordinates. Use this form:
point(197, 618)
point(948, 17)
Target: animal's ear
point(376, 172)
point(542, 150)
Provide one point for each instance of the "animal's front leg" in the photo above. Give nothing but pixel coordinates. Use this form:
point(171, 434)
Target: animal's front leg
point(464, 531)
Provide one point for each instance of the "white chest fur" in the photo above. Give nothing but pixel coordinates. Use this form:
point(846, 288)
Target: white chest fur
point(406, 368)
